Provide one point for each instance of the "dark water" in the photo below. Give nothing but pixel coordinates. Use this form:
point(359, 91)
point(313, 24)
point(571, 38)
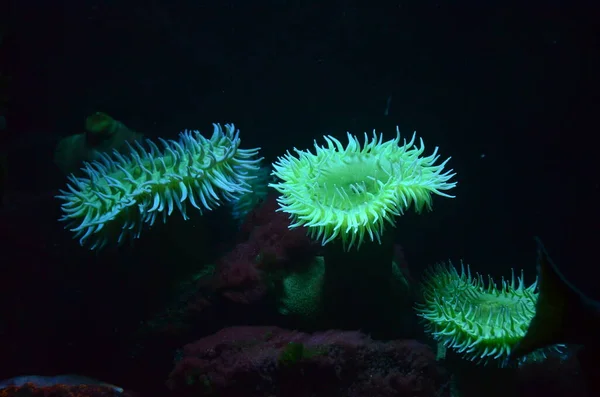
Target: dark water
point(509, 91)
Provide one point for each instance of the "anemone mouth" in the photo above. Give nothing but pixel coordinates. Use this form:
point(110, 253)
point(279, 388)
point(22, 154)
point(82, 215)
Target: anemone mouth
point(475, 318)
point(351, 198)
point(347, 183)
point(352, 192)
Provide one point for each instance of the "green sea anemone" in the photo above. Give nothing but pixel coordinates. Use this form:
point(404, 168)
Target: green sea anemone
point(480, 321)
point(123, 193)
point(352, 192)
point(345, 197)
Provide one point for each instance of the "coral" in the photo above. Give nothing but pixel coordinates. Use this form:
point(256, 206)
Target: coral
point(277, 242)
point(65, 380)
point(121, 194)
point(352, 192)
point(480, 321)
point(60, 390)
point(302, 290)
point(269, 361)
point(238, 282)
point(237, 277)
point(269, 246)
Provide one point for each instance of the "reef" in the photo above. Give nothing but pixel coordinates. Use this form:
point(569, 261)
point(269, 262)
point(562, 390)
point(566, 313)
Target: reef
point(239, 281)
point(270, 361)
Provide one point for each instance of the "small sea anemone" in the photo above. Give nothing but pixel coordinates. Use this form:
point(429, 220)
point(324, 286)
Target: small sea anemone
point(353, 192)
point(100, 123)
point(481, 322)
point(122, 193)
point(103, 134)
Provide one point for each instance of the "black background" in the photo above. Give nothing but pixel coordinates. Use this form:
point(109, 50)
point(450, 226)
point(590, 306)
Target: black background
point(511, 92)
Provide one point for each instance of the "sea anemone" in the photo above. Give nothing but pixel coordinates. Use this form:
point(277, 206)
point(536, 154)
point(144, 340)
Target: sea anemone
point(100, 123)
point(352, 192)
point(345, 197)
point(122, 193)
point(247, 201)
point(481, 322)
point(103, 134)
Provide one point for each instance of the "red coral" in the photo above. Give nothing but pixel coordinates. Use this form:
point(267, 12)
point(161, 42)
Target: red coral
point(266, 245)
point(277, 243)
point(60, 390)
point(246, 361)
point(269, 245)
point(260, 215)
point(237, 277)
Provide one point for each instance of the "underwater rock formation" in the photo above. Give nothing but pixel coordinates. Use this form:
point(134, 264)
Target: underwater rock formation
point(270, 361)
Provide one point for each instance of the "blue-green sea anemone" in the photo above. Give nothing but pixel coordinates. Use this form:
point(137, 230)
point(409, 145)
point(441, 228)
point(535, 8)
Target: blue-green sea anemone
point(258, 182)
point(121, 194)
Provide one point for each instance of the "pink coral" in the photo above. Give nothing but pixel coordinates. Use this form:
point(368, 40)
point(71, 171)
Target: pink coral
point(269, 361)
point(269, 245)
point(237, 277)
point(265, 245)
point(277, 243)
